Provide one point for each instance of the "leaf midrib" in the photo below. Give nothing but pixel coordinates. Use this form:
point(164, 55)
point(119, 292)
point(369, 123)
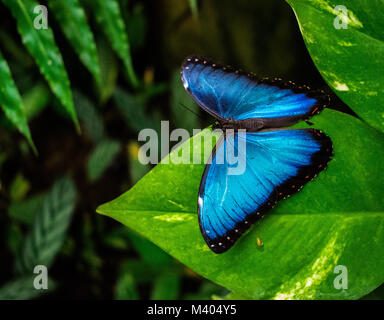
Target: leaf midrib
point(342, 214)
point(29, 20)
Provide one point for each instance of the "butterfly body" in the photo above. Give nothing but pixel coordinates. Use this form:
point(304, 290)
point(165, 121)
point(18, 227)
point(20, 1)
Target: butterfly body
point(251, 125)
point(277, 162)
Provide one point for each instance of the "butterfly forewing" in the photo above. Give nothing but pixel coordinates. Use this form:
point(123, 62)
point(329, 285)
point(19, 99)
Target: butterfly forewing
point(229, 94)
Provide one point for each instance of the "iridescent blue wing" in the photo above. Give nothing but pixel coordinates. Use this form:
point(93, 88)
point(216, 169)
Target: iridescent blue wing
point(276, 164)
point(229, 94)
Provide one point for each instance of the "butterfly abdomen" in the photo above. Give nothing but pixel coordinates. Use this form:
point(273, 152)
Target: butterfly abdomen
point(251, 125)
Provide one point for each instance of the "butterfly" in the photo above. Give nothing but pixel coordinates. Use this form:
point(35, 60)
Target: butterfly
point(279, 162)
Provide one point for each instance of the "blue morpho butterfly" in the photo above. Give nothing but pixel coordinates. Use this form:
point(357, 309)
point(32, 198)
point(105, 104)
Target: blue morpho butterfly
point(278, 161)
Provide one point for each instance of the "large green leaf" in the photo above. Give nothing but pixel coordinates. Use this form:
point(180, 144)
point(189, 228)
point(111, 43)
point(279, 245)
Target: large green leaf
point(41, 45)
point(350, 60)
point(73, 21)
point(337, 219)
point(11, 103)
point(109, 17)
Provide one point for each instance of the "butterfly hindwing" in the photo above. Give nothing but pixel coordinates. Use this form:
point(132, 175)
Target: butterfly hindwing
point(277, 164)
point(232, 94)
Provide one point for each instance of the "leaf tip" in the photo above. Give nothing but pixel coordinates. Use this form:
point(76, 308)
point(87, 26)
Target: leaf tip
point(100, 209)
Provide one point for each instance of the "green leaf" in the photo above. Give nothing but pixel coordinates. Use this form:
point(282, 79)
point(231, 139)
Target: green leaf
point(137, 26)
point(23, 289)
point(47, 234)
point(193, 5)
point(11, 102)
point(92, 262)
point(19, 187)
point(337, 219)
point(126, 288)
point(26, 210)
point(151, 90)
point(134, 112)
point(109, 68)
point(90, 117)
point(101, 158)
point(350, 60)
point(108, 15)
point(13, 237)
point(35, 100)
point(73, 21)
point(117, 238)
point(19, 56)
point(41, 45)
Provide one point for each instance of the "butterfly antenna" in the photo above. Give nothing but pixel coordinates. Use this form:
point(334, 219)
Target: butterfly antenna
point(196, 114)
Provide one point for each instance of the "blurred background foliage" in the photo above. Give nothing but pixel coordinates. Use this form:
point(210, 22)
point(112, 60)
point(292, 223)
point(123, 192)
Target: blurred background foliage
point(122, 61)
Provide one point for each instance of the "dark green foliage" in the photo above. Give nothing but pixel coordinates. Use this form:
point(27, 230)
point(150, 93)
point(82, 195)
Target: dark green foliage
point(108, 15)
point(134, 113)
point(48, 217)
point(42, 47)
point(101, 158)
point(166, 287)
point(126, 288)
point(48, 231)
point(193, 5)
point(26, 210)
point(11, 102)
point(22, 289)
point(72, 19)
point(19, 187)
point(90, 117)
